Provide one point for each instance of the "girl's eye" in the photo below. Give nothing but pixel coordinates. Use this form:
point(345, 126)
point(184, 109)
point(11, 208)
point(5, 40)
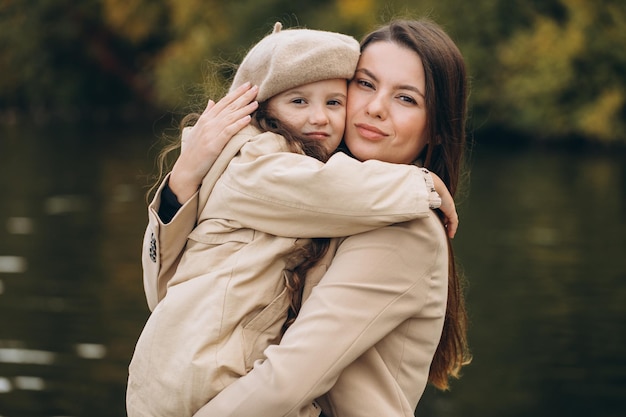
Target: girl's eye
point(334, 103)
point(298, 101)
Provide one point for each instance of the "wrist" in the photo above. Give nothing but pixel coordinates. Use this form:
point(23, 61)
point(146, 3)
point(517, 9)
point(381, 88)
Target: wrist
point(183, 186)
point(434, 199)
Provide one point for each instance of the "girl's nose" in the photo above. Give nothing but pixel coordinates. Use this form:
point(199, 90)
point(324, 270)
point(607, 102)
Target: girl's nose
point(318, 116)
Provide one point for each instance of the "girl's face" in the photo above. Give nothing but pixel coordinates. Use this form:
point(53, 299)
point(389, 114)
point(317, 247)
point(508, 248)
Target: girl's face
point(386, 111)
point(316, 110)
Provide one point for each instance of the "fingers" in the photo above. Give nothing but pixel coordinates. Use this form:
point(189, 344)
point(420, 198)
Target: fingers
point(237, 98)
point(452, 225)
point(452, 228)
point(234, 128)
point(227, 122)
point(209, 106)
point(250, 107)
point(231, 108)
point(248, 95)
point(219, 122)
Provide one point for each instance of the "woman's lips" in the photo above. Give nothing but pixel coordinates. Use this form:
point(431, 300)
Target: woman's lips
point(369, 132)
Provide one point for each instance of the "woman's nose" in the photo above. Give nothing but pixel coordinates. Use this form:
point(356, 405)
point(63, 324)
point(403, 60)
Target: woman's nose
point(377, 107)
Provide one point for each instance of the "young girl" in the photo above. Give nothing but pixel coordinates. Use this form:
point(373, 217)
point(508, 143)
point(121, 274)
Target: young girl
point(239, 280)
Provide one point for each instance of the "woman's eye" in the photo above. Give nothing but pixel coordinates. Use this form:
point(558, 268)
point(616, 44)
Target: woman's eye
point(365, 83)
point(408, 99)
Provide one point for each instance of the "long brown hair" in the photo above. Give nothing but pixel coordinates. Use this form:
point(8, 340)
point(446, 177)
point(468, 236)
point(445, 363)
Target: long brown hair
point(446, 104)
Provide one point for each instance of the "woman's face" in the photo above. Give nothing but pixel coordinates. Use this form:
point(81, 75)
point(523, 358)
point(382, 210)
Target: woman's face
point(386, 110)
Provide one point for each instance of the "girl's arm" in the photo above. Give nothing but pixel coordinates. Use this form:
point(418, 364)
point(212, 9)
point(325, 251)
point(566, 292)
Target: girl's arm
point(293, 195)
point(163, 244)
point(343, 197)
point(203, 143)
point(376, 281)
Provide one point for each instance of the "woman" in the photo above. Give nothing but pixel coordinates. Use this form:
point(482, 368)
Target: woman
point(388, 315)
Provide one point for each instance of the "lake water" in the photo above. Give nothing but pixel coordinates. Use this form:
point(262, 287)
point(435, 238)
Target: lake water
point(542, 243)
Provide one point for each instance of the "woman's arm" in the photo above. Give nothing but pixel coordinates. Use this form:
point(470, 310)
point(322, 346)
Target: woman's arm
point(377, 280)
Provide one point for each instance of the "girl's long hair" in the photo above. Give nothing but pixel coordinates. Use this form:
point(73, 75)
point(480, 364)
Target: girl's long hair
point(446, 104)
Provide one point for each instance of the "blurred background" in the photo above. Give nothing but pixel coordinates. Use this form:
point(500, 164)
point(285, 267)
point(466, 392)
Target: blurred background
point(89, 89)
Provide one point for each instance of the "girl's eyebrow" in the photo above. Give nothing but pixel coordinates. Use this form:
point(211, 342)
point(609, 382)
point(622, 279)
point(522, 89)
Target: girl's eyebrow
point(398, 87)
point(294, 93)
point(340, 95)
point(302, 93)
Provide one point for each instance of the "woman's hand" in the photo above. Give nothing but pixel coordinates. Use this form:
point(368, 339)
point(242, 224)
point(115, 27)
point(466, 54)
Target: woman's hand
point(448, 208)
point(203, 142)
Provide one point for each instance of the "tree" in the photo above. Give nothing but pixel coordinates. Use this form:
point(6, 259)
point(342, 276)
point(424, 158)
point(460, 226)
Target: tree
point(541, 68)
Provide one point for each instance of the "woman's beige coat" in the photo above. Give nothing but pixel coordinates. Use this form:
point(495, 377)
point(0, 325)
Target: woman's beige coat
point(366, 334)
point(224, 300)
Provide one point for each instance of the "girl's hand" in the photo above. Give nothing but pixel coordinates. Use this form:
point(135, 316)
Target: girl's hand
point(202, 143)
point(448, 208)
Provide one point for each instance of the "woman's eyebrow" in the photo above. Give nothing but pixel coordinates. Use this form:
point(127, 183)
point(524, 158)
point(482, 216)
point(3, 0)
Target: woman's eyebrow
point(411, 88)
point(398, 87)
point(367, 72)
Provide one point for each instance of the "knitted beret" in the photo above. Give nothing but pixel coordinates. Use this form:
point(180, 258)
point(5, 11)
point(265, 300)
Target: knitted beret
point(288, 58)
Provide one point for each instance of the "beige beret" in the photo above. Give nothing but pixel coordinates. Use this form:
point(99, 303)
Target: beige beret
point(288, 58)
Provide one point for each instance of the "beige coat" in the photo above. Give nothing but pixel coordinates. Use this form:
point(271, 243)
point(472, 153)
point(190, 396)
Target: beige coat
point(224, 300)
point(366, 334)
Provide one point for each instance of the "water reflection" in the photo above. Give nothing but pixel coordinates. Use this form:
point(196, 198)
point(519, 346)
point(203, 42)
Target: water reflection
point(14, 354)
point(20, 225)
point(12, 264)
point(91, 350)
point(542, 242)
point(71, 302)
point(60, 204)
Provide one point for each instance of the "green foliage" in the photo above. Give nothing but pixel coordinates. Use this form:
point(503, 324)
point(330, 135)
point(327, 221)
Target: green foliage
point(64, 63)
point(543, 68)
point(565, 78)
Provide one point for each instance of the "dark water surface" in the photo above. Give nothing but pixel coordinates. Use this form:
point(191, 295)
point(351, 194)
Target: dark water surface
point(542, 242)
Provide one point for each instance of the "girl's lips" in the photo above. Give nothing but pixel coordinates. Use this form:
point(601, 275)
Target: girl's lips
point(317, 135)
point(369, 131)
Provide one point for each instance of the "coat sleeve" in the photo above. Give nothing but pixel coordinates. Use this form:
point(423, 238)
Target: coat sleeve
point(293, 195)
point(163, 245)
point(377, 280)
